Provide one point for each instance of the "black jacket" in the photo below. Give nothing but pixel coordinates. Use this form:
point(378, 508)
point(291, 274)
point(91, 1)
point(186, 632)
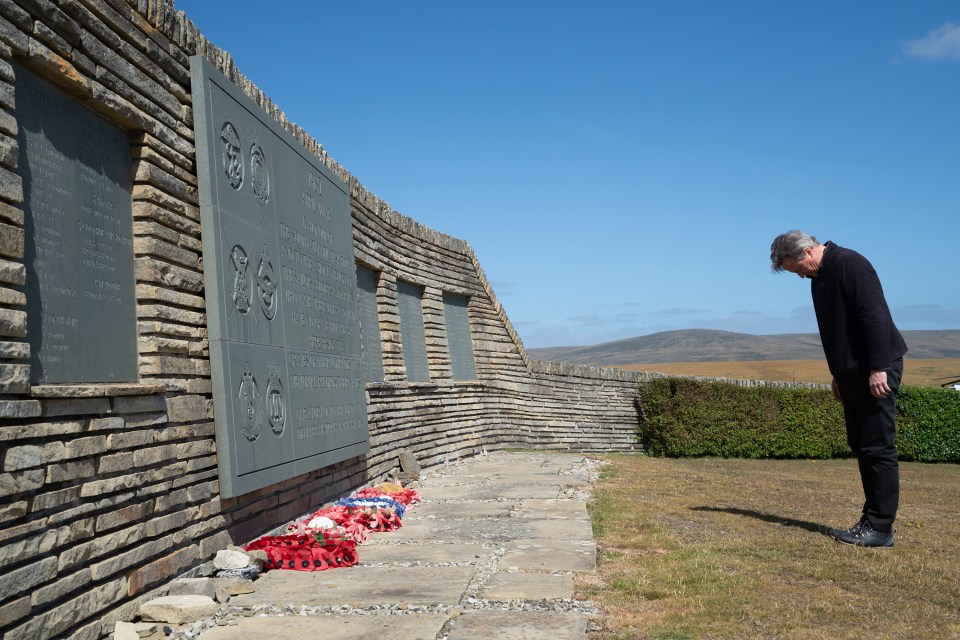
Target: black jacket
point(856, 329)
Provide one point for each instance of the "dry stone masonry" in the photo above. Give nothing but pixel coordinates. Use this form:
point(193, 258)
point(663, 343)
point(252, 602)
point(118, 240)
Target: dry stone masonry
point(112, 382)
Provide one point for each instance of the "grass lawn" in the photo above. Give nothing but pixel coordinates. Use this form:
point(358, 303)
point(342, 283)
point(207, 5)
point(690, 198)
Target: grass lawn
point(719, 548)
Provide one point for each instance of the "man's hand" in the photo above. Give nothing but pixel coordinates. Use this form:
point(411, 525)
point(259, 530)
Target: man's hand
point(836, 390)
point(878, 384)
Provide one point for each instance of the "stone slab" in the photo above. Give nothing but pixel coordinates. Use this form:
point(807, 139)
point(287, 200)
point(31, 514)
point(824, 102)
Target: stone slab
point(557, 529)
point(551, 555)
point(457, 510)
point(563, 508)
point(360, 585)
point(519, 625)
point(452, 491)
point(527, 586)
point(424, 626)
point(493, 490)
point(463, 530)
point(429, 553)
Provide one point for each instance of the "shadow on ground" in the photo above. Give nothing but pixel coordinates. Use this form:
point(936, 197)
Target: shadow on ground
point(767, 517)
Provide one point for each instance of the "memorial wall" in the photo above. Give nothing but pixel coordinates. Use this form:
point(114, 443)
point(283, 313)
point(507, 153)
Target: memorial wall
point(209, 328)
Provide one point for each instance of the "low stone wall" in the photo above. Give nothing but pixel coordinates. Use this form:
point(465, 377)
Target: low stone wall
point(110, 491)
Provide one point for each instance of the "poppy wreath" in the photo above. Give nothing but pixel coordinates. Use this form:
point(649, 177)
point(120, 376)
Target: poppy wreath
point(318, 552)
point(405, 497)
point(375, 502)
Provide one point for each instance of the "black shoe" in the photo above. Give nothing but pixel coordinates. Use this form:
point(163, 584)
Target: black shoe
point(852, 531)
point(865, 536)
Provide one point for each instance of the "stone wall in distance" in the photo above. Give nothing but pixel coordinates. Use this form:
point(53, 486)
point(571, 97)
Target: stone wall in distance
point(110, 491)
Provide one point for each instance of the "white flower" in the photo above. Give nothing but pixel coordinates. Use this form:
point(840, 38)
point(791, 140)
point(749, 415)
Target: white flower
point(321, 522)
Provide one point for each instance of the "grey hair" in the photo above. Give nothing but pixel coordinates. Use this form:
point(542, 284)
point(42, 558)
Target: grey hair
point(789, 245)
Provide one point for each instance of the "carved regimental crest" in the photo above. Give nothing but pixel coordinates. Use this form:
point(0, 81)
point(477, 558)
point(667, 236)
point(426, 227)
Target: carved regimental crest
point(250, 424)
point(232, 156)
point(259, 176)
point(276, 405)
point(267, 286)
point(242, 296)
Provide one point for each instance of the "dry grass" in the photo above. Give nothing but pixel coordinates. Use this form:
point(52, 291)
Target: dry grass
point(920, 373)
point(709, 548)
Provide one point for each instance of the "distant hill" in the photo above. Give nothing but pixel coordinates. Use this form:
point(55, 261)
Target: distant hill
point(705, 345)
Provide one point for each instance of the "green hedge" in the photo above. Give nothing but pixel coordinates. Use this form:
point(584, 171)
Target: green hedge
point(683, 417)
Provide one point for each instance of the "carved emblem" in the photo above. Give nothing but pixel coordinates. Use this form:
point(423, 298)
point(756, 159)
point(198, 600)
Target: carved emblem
point(242, 300)
point(267, 286)
point(249, 416)
point(275, 402)
point(232, 156)
point(259, 177)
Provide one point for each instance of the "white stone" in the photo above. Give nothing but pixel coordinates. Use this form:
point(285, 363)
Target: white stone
point(193, 587)
point(230, 559)
point(178, 609)
point(125, 631)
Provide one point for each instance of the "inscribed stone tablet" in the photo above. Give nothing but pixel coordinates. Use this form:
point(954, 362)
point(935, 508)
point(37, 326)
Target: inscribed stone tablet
point(281, 290)
point(462, 363)
point(371, 353)
point(79, 239)
point(413, 341)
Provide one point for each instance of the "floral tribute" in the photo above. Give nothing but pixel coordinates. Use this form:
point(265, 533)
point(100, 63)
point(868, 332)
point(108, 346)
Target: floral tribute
point(328, 538)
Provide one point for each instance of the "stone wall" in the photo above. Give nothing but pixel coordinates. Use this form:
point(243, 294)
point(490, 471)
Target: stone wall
point(109, 491)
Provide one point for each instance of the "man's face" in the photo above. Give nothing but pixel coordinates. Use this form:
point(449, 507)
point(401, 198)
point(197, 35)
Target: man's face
point(805, 267)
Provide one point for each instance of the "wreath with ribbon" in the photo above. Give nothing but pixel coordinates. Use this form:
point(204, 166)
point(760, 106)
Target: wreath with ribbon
point(312, 545)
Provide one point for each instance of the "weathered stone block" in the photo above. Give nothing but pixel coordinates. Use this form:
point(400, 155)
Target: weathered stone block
point(193, 587)
point(13, 510)
point(20, 481)
point(66, 471)
point(13, 322)
point(54, 499)
point(26, 578)
point(163, 570)
point(82, 447)
point(60, 588)
point(15, 350)
point(11, 241)
point(12, 297)
point(178, 609)
point(29, 456)
point(139, 404)
point(187, 408)
point(75, 406)
point(14, 610)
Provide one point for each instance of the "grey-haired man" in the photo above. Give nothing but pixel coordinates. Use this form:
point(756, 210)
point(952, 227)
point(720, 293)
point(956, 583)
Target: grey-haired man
point(864, 351)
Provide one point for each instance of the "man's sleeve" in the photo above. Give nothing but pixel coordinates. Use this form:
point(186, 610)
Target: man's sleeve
point(871, 310)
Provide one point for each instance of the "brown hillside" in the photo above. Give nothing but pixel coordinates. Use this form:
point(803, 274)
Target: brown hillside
point(917, 372)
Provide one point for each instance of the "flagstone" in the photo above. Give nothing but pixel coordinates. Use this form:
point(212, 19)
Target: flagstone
point(550, 555)
point(360, 585)
point(426, 553)
point(504, 586)
point(519, 625)
point(423, 626)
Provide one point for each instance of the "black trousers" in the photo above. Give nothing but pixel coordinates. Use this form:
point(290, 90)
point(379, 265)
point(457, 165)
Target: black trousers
point(871, 434)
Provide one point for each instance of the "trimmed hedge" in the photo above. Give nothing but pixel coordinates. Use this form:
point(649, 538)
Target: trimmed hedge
point(684, 417)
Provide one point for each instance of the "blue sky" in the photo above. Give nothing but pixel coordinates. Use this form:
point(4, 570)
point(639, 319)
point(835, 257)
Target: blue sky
point(620, 168)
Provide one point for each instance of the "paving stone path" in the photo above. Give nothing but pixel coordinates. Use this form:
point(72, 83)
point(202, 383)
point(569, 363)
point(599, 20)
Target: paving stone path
point(491, 552)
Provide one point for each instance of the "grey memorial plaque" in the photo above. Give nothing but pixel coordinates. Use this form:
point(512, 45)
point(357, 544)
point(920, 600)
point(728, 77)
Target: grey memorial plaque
point(413, 341)
point(281, 293)
point(371, 353)
point(462, 363)
point(79, 239)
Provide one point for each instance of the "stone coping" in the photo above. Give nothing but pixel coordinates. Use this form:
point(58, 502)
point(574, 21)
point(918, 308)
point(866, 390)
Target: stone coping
point(95, 390)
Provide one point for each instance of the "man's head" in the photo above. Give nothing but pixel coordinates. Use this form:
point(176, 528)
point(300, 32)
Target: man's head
point(796, 252)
